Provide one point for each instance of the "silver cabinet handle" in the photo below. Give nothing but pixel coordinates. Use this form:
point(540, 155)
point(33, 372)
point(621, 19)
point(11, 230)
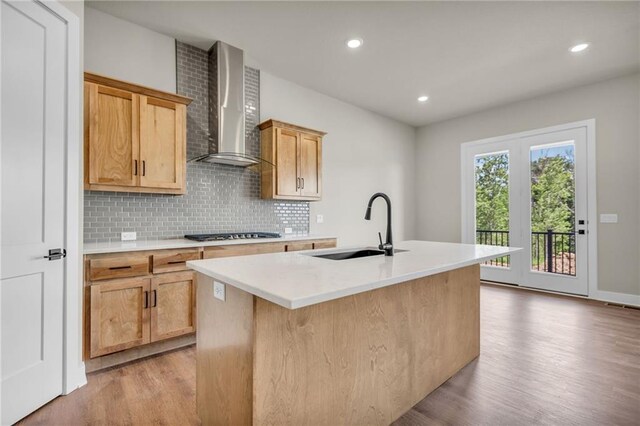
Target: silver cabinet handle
point(302, 179)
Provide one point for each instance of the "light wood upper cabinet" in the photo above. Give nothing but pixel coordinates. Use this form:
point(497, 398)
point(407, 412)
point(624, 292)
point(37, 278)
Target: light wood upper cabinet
point(310, 165)
point(293, 154)
point(135, 138)
point(113, 126)
point(286, 164)
point(119, 315)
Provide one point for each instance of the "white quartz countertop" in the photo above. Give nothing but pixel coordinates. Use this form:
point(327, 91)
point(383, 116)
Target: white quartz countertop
point(297, 279)
point(177, 243)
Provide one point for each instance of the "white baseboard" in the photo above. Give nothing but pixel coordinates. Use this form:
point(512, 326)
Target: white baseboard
point(620, 298)
point(600, 295)
point(74, 379)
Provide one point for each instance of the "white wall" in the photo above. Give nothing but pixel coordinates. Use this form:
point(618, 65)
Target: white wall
point(363, 153)
point(120, 49)
point(615, 104)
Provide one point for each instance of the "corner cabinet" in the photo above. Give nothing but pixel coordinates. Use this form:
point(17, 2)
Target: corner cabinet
point(135, 137)
point(293, 155)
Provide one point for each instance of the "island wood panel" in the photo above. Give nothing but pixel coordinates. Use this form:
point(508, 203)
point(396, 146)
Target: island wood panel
point(173, 305)
point(224, 363)
point(361, 359)
point(366, 358)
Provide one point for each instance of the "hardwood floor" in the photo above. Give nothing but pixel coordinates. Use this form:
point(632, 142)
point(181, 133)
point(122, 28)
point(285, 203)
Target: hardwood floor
point(545, 359)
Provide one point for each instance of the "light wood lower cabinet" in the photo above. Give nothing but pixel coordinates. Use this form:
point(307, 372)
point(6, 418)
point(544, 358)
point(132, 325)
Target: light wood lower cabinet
point(173, 305)
point(136, 301)
point(119, 315)
point(131, 312)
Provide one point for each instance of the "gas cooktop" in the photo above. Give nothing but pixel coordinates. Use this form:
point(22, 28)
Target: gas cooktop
point(232, 236)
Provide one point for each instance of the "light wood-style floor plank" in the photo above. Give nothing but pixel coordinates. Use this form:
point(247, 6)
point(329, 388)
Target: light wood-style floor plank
point(545, 360)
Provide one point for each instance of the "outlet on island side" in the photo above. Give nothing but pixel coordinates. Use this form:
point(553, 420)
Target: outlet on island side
point(319, 218)
point(219, 290)
point(288, 230)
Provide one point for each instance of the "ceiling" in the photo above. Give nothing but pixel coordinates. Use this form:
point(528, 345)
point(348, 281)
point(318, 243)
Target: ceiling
point(466, 56)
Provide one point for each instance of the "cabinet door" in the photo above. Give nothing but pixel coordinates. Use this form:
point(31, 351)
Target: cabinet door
point(310, 165)
point(287, 142)
point(162, 143)
point(119, 315)
point(173, 305)
point(113, 136)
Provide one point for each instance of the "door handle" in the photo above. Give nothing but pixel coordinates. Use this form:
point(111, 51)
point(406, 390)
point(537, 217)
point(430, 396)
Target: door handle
point(155, 298)
point(135, 167)
point(297, 183)
point(302, 179)
point(144, 167)
point(56, 254)
point(146, 300)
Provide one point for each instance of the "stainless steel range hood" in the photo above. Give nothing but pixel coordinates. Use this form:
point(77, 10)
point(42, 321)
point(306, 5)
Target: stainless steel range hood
point(226, 108)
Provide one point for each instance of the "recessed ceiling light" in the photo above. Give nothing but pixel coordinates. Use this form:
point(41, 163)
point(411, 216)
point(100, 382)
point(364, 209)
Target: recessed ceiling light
point(579, 47)
point(354, 43)
point(423, 98)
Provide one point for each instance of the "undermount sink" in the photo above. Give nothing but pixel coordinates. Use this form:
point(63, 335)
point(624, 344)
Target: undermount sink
point(354, 254)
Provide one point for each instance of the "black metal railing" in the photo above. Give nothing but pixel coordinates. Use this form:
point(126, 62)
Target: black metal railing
point(551, 251)
point(494, 238)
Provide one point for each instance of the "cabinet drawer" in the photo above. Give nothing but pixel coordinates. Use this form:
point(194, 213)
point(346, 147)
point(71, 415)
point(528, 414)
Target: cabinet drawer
point(324, 244)
point(173, 261)
point(299, 245)
point(118, 267)
point(242, 250)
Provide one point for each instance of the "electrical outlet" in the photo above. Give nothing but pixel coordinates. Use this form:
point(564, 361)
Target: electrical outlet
point(219, 290)
point(128, 236)
point(288, 230)
point(609, 218)
point(319, 218)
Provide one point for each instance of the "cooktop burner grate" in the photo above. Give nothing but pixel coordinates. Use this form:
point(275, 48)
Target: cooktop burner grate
point(232, 236)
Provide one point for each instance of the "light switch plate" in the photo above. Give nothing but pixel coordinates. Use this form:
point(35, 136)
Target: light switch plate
point(219, 290)
point(609, 218)
point(128, 236)
point(319, 218)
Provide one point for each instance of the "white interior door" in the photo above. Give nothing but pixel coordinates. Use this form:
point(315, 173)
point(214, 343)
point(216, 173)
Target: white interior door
point(530, 191)
point(33, 211)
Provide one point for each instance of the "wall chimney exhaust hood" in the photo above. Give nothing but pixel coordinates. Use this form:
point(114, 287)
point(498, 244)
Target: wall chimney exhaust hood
point(226, 108)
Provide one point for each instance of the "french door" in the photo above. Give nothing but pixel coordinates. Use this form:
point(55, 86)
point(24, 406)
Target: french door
point(530, 191)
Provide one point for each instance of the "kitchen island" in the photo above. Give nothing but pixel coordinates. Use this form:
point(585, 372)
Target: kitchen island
point(292, 338)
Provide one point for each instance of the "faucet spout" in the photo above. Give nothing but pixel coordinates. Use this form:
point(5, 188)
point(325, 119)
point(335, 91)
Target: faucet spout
point(387, 246)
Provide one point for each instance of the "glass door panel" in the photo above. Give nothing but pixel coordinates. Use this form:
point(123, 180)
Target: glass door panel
point(492, 202)
point(553, 214)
